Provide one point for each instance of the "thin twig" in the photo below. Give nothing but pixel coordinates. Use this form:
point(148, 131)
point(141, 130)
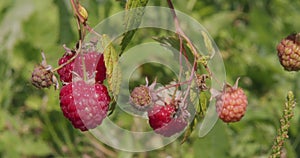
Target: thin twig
point(76, 11)
point(70, 60)
point(180, 32)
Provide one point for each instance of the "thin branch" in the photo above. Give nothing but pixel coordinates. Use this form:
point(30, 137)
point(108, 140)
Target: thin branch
point(183, 35)
point(76, 11)
point(180, 32)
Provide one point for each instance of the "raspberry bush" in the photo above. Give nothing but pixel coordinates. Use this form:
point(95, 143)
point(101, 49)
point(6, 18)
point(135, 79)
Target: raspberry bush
point(83, 67)
point(258, 42)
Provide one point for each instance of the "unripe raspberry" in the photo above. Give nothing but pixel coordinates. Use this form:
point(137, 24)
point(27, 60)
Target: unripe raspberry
point(144, 96)
point(140, 97)
point(41, 77)
point(289, 52)
point(231, 103)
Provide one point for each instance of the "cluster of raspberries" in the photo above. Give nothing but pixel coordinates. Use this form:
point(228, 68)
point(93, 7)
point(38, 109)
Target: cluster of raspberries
point(84, 100)
point(170, 117)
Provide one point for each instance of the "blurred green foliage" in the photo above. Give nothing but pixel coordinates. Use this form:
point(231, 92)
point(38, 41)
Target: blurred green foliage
point(32, 125)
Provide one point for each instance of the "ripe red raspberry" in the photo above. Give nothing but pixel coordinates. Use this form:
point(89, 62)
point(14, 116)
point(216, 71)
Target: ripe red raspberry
point(65, 73)
point(85, 105)
point(231, 103)
point(101, 70)
point(93, 65)
point(165, 120)
point(289, 52)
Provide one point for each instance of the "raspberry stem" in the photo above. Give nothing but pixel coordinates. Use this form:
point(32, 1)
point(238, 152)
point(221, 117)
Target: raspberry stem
point(203, 60)
point(75, 6)
point(189, 86)
point(179, 31)
point(80, 19)
point(174, 85)
point(70, 60)
point(181, 35)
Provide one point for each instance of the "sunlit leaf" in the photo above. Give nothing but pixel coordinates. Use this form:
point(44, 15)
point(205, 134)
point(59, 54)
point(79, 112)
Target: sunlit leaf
point(203, 102)
point(113, 72)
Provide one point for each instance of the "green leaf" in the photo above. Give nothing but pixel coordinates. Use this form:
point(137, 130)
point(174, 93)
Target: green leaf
point(115, 80)
point(209, 46)
point(133, 15)
point(173, 42)
point(203, 102)
point(168, 41)
point(111, 59)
